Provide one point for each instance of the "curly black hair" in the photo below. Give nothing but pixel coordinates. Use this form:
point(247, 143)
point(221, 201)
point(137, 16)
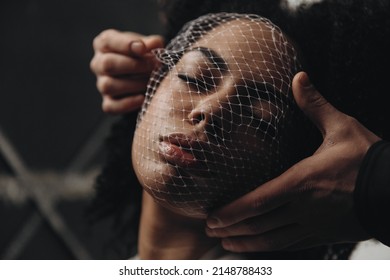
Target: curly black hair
point(346, 47)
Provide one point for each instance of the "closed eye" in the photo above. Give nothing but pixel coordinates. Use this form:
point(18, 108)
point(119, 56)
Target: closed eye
point(198, 84)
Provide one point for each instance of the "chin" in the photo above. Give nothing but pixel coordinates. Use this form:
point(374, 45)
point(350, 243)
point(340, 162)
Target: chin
point(191, 209)
point(180, 197)
point(181, 193)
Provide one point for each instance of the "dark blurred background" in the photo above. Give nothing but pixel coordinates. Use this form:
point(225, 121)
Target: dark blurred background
point(51, 124)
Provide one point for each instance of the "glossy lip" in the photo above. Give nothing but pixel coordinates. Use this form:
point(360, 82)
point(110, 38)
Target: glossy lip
point(180, 150)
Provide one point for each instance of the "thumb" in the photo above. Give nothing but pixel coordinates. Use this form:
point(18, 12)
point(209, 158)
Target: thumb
point(139, 48)
point(313, 104)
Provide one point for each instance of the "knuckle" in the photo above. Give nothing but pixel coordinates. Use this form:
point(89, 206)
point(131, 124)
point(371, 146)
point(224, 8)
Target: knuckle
point(307, 187)
point(107, 64)
point(106, 35)
point(105, 85)
point(101, 41)
point(107, 106)
point(257, 204)
point(317, 100)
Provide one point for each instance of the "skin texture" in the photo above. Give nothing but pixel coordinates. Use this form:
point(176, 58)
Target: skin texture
point(275, 216)
point(229, 154)
point(122, 64)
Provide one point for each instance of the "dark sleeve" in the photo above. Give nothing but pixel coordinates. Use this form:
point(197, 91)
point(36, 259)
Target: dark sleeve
point(372, 192)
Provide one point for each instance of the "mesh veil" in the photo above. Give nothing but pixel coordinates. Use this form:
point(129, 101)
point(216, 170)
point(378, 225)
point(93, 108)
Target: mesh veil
point(219, 117)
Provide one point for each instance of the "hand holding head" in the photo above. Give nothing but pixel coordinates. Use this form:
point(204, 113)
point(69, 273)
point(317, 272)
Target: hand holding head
point(311, 203)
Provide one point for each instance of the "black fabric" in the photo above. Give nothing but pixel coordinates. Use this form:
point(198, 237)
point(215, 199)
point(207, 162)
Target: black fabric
point(372, 192)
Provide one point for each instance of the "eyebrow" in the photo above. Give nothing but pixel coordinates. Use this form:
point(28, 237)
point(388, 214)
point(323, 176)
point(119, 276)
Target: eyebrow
point(213, 57)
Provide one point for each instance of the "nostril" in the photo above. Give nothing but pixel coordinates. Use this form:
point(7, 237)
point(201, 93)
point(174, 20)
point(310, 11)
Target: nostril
point(201, 117)
point(198, 118)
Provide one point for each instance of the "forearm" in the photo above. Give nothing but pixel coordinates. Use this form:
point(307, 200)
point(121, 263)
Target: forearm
point(372, 193)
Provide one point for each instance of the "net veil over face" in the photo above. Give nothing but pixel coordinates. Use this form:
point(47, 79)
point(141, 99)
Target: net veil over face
point(219, 118)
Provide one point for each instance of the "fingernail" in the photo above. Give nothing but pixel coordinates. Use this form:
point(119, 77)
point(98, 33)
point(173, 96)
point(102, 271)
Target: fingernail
point(304, 80)
point(227, 244)
point(214, 222)
point(137, 47)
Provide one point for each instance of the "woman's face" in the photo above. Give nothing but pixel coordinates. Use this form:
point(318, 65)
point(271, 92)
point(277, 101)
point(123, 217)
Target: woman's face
point(218, 122)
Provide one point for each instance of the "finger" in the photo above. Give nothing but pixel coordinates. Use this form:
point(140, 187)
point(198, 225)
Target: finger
point(269, 196)
point(113, 86)
point(126, 43)
point(144, 46)
point(314, 105)
point(274, 240)
point(115, 64)
point(112, 40)
point(123, 105)
point(153, 42)
point(274, 219)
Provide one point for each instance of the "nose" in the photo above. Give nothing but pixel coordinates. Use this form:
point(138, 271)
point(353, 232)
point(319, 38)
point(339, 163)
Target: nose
point(200, 117)
point(211, 118)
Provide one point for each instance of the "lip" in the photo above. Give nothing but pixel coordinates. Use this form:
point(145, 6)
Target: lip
point(178, 149)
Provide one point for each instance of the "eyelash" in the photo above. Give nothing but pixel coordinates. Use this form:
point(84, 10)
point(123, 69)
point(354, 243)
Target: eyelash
point(195, 82)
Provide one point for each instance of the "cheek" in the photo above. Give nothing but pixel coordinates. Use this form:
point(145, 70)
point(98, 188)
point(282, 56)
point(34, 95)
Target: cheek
point(254, 157)
point(173, 99)
point(253, 150)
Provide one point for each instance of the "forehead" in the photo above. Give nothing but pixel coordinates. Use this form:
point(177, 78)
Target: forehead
point(248, 44)
point(241, 31)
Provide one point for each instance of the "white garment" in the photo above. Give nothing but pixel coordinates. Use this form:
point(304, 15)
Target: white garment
point(292, 5)
point(370, 250)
